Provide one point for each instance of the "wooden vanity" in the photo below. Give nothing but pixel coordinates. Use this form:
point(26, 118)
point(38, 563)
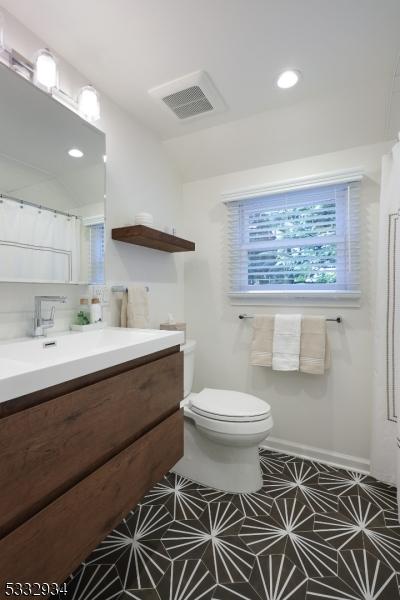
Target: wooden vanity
point(77, 457)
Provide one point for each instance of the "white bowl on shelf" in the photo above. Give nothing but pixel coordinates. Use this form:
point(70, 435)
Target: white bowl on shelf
point(144, 218)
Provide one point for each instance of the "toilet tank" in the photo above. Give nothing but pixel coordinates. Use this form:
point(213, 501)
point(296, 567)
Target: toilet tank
point(188, 366)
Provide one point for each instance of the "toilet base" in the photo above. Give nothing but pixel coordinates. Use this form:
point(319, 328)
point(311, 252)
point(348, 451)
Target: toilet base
point(229, 468)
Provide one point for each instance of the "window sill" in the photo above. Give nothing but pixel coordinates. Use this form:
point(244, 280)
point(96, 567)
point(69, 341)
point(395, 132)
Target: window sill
point(297, 298)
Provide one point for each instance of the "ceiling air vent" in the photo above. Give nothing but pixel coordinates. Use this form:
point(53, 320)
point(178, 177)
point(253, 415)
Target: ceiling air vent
point(190, 96)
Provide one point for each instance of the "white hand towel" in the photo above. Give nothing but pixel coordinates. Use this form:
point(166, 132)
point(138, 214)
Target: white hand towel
point(135, 308)
point(286, 343)
point(261, 347)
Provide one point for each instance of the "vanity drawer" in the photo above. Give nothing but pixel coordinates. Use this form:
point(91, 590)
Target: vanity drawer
point(52, 544)
point(46, 449)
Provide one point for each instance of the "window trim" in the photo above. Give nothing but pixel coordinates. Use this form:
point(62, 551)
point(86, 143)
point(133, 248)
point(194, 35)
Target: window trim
point(90, 222)
point(327, 297)
point(292, 185)
point(94, 220)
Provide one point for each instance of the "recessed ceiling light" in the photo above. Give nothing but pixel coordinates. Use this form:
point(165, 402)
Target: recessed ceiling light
point(288, 79)
point(75, 153)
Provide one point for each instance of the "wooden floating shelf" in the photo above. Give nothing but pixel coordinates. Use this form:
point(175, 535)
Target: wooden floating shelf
point(140, 235)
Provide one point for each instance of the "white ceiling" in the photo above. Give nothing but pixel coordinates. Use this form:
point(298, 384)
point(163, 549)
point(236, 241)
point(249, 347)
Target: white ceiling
point(317, 126)
point(126, 47)
point(347, 51)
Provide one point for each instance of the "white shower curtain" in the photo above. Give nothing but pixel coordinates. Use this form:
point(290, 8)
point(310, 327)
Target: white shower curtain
point(37, 244)
point(385, 457)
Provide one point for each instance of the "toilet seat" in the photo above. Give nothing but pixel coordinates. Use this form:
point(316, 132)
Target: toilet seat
point(229, 406)
point(238, 429)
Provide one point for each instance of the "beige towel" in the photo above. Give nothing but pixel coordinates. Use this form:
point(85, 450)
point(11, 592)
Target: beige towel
point(314, 350)
point(261, 347)
point(135, 307)
point(124, 308)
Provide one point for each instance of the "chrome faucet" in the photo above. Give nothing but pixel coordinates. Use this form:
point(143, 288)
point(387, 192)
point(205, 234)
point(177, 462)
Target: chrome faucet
point(40, 324)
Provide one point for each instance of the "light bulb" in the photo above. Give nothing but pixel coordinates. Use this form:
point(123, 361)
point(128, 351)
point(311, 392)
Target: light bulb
point(46, 73)
point(89, 103)
point(288, 79)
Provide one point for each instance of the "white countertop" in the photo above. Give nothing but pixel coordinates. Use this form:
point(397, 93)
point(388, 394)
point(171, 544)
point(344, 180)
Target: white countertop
point(27, 366)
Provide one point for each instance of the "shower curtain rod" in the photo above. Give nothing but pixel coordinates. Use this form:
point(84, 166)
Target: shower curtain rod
point(39, 206)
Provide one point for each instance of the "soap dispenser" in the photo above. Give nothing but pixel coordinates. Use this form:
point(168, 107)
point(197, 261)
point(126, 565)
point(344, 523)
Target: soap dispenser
point(95, 311)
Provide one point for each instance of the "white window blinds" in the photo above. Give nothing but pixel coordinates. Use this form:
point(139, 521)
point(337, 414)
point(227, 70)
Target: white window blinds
point(96, 253)
point(306, 239)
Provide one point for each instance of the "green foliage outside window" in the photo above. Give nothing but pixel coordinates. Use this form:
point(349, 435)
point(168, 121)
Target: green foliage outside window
point(297, 264)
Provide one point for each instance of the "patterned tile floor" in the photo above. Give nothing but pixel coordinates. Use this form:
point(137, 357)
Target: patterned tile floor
point(312, 531)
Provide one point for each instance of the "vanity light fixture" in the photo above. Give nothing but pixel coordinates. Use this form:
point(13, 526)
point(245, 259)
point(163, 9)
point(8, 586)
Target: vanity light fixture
point(288, 79)
point(75, 153)
point(89, 103)
point(46, 72)
point(43, 72)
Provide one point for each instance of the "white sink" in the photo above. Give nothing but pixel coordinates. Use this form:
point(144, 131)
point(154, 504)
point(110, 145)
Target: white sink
point(29, 365)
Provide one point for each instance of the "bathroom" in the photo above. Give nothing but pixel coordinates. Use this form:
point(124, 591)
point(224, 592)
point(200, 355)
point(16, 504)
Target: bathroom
point(161, 449)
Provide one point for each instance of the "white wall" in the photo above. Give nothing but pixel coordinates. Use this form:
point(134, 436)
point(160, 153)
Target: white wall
point(139, 177)
point(330, 413)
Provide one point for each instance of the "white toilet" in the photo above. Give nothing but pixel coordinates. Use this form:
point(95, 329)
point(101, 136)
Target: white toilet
point(222, 432)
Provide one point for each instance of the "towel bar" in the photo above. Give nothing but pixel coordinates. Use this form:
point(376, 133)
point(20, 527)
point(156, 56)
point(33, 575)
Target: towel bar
point(335, 319)
point(123, 288)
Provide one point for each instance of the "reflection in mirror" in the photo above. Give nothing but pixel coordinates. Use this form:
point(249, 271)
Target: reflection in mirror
point(51, 198)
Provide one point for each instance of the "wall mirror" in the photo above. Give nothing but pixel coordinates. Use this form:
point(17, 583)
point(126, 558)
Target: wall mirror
point(51, 203)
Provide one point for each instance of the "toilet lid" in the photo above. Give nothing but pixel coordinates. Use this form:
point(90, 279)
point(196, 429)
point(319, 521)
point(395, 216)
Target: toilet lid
point(227, 405)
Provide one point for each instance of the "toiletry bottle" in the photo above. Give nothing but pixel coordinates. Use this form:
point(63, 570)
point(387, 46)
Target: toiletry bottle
point(95, 311)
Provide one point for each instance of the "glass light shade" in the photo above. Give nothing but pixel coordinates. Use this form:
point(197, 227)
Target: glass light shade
point(46, 72)
point(89, 103)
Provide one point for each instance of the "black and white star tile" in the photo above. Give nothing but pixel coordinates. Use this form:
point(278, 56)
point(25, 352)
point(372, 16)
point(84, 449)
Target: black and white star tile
point(312, 531)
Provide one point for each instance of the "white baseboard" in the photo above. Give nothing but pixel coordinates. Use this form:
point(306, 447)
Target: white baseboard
point(336, 459)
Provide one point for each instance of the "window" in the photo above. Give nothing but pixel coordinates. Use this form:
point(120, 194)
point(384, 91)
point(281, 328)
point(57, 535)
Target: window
point(96, 253)
point(303, 240)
